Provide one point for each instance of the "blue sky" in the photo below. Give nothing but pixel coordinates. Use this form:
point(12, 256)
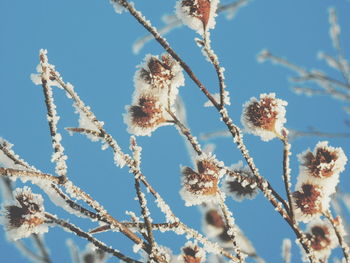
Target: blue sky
point(91, 46)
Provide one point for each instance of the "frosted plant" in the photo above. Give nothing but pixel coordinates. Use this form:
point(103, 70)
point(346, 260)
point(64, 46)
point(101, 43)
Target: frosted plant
point(155, 103)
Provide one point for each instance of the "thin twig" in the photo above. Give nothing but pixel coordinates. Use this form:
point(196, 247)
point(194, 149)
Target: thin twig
point(72, 189)
point(286, 175)
point(215, 62)
point(187, 133)
point(231, 229)
point(338, 228)
point(172, 21)
point(83, 234)
point(142, 199)
point(42, 248)
point(58, 157)
point(27, 252)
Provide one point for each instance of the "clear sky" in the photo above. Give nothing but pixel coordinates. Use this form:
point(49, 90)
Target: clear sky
point(91, 47)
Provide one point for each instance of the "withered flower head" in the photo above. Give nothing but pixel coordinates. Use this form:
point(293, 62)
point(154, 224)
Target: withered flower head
point(309, 202)
point(213, 218)
point(324, 162)
point(242, 185)
point(322, 239)
point(264, 118)
point(192, 253)
point(24, 215)
point(93, 255)
point(201, 185)
point(197, 14)
point(214, 225)
point(145, 116)
point(156, 72)
point(160, 77)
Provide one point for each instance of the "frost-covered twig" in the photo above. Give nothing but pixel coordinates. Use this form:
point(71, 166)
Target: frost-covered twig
point(70, 227)
point(42, 248)
point(187, 133)
point(213, 58)
point(123, 158)
point(340, 232)
point(334, 33)
point(142, 199)
point(46, 81)
point(172, 22)
point(286, 250)
point(28, 253)
point(41, 178)
point(74, 251)
point(286, 174)
point(230, 223)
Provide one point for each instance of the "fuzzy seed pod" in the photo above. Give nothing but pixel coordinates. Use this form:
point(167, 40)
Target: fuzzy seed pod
point(322, 239)
point(192, 253)
point(240, 187)
point(264, 118)
point(201, 185)
point(24, 216)
point(309, 202)
point(145, 116)
point(199, 15)
point(160, 77)
point(324, 162)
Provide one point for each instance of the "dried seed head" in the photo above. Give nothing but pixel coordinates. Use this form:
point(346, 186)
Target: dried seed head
point(159, 76)
point(324, 162)
point(201, 185)
point(145, 116)
point(264, 118)
point(213, 218)
point(309, 202)
point(192, 253)
point(322, 239)
point(24, 215)
point(93, 255)
point(199, 15)
point(213, 224)
point(156, 72)
point(241, 186)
